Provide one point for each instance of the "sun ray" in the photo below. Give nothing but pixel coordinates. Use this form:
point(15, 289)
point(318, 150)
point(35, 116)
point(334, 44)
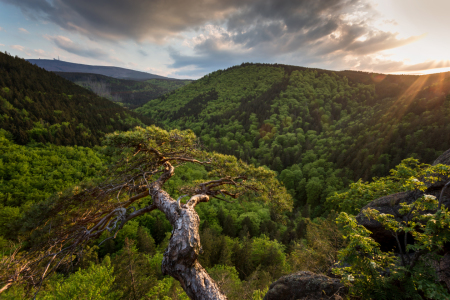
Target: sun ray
point(403, 101)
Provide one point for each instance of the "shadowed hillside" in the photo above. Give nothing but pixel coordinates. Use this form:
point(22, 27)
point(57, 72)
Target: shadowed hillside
point(129, 93)
point(39, 105)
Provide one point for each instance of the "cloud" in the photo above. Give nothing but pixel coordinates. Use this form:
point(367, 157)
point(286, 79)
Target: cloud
point(2, 29)
point(128, 19)
point(325, 32)
point(380, 41)
point(389, 66)
point(2, 45)
point(74, 48)
point(142, 52)
point(207, 58)
point(24, 30)
point(433, 64)
point(18, 47)
point(390, 22)
point(21, 49)
point(307, 32)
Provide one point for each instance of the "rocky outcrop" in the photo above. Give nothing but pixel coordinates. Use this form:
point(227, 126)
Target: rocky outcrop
point(443, 159)
point(391, 204)
point(443, 270)
point(306, 286)
point(387, 205)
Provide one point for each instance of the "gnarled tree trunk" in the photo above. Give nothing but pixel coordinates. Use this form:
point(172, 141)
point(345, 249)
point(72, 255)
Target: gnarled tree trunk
point(180, 258)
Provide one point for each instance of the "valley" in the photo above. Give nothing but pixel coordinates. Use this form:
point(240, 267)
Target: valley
point(128, 93)
point(321, 144)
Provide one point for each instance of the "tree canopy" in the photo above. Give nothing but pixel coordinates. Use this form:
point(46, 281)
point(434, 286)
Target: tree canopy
point(329, 128)
point(58, 228)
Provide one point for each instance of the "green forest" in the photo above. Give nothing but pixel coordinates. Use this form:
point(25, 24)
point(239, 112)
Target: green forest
point(334, 141)
point(320, 130)
point(36, 105)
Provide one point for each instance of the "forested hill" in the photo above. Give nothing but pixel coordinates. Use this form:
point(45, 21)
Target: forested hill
point(324, 126)
point(39, 105)
point(130, 93)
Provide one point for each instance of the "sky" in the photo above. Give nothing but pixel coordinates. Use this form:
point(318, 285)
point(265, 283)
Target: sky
point(191, 38)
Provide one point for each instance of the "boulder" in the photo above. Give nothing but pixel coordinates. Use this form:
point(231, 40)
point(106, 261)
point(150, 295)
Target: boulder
point(388, 205)
point(443, 159)
point(306, 286)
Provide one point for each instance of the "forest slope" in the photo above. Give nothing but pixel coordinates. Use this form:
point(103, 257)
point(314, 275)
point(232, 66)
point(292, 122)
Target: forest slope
point(129, 93)
point(315, 127)
point(39, 105)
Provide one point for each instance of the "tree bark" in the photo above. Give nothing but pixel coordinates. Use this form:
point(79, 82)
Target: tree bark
point(180, 258)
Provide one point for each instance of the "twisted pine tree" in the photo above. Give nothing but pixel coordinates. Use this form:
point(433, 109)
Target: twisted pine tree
point(56, 231)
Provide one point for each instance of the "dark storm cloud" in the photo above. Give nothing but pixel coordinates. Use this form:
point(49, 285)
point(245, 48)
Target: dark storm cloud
point(295, 14)
point(33, 8)
point(319, 30)
point(290, 24)
point(127, 19)
point(265, 29)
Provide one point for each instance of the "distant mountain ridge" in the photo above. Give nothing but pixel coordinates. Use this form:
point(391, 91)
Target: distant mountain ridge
point(115, 72)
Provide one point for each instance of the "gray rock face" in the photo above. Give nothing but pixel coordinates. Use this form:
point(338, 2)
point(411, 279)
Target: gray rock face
point(443, 159)
point(388, 205)
point(305, 286)
point(443, 270)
